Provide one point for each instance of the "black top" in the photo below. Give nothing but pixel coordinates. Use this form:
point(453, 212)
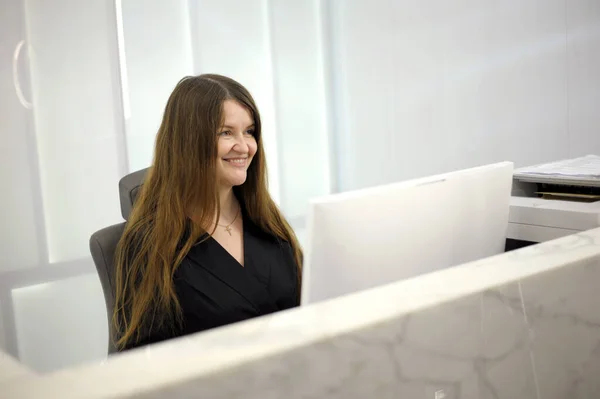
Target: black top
point(214, 289)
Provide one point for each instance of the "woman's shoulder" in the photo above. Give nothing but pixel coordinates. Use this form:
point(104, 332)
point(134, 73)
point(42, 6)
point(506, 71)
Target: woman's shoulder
point(252, 227)
point(265, 236)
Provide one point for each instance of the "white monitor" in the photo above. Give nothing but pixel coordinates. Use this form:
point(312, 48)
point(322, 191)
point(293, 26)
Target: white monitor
point(365, 238)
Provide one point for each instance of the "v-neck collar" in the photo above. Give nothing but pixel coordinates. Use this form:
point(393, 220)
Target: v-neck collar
point(244, 239)
point(245, 235)
point(228, 254)
point(215, 259)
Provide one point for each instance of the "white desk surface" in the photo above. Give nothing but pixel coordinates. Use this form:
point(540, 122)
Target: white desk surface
point(11, 369)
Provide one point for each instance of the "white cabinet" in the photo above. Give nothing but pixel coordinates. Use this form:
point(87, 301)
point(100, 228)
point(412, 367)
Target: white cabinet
point(78, 119)
point(62, 152)
point(20, 244)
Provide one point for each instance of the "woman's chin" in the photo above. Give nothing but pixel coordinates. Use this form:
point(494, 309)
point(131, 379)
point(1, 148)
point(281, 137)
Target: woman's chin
point(235, 180)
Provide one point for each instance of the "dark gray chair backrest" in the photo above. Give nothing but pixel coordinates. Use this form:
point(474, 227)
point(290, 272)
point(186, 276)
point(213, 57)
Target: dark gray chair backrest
point(103, 244)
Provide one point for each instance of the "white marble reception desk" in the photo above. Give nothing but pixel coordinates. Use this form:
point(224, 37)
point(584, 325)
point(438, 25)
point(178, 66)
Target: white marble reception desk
point(521, 325)
point(12, 370)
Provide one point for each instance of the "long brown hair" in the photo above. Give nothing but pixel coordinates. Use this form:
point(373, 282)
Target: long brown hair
point(159, 232)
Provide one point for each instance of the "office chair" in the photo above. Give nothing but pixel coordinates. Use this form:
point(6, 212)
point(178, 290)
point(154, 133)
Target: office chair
point(103, 244)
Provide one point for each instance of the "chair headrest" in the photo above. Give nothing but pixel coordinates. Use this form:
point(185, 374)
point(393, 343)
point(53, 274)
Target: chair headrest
point(129, 187)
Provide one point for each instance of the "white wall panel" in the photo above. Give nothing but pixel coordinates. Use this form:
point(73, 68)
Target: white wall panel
point(158, 54)
point(583, 23)
point(436, 85)
point(78, 119)
point(19, 242)
point(300, 103)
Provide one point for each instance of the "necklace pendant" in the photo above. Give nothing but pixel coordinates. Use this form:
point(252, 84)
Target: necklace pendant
point(228, 228)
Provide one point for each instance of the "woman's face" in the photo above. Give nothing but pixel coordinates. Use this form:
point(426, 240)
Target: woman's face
point(236, 144)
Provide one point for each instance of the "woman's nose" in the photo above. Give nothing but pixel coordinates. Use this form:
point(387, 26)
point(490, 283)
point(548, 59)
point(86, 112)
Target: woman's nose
point(241, 144)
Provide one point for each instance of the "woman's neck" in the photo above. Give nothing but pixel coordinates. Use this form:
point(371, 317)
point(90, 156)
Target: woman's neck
point(229, 204)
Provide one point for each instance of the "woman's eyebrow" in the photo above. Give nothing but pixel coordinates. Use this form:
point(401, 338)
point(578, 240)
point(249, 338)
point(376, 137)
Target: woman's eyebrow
point(232, 127)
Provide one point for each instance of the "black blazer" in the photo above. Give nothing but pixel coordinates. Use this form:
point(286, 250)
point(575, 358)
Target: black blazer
point(215, 290)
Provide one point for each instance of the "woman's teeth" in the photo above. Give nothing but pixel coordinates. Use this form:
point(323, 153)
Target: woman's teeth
point(237, 161)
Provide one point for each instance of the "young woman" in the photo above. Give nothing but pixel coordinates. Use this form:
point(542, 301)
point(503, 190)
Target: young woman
point(205, 244)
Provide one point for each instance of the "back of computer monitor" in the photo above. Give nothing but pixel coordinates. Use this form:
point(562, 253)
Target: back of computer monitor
point(362, 239)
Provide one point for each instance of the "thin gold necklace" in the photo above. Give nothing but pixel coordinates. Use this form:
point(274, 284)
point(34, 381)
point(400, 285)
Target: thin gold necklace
point(228, 227)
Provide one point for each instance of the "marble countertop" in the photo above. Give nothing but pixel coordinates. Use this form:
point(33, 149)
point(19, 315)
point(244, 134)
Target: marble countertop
point(11, 369)
point(223, 350)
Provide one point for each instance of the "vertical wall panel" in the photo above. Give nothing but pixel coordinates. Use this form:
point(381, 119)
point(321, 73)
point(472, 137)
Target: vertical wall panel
point(299, 76)
point(158, 54)
point(434, 86)
point(583, 24)
point(78, 119)
point(19, 239)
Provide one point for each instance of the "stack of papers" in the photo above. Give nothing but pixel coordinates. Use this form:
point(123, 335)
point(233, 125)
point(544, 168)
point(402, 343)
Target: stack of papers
point(583, 168)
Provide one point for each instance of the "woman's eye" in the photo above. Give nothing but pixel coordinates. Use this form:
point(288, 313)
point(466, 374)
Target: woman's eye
point(225, 133)
point(250, 132)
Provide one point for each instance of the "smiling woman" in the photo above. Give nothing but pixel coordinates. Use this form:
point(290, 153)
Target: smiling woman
point(205, 245)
